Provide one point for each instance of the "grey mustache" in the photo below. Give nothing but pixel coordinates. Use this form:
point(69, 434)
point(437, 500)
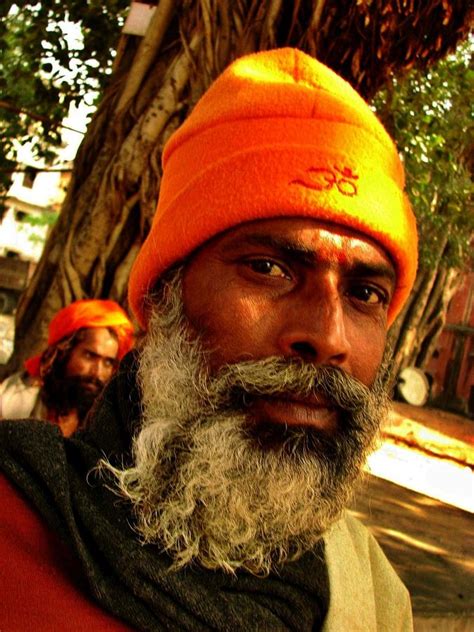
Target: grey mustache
point(277, 376)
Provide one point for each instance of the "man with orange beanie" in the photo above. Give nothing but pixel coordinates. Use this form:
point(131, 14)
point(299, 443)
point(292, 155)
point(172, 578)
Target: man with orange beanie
point(208, 492)
point(86, 341)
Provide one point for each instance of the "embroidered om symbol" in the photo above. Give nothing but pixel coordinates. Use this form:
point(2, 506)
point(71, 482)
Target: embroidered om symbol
point(324, 178)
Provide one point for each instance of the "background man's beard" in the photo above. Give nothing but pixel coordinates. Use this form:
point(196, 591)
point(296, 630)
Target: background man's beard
point(207, 486)
point(64, 393)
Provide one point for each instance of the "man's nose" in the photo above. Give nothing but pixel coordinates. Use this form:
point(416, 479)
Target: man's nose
point(98, 370)
point(315, 329)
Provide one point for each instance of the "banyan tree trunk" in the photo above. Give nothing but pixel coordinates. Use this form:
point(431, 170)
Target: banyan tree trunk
point(157, 79)
point(414, 334)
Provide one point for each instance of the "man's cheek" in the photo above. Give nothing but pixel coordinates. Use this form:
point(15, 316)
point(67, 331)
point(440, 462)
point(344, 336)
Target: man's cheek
point(367, 351)
point(241, 331)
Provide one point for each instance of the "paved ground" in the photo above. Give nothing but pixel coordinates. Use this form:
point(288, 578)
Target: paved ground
point(437, 432)
point(430, 543)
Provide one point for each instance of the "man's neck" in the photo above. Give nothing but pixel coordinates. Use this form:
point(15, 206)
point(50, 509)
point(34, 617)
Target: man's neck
point(68, 423)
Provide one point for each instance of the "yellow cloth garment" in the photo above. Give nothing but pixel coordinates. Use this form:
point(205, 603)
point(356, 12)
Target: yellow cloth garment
point(366, 595)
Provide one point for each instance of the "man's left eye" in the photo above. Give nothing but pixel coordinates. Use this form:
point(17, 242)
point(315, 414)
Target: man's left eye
point(369, 295)
point(268, 268)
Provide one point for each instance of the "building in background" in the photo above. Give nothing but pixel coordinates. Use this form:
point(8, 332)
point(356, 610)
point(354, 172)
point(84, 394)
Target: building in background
point(31, 208)
point(32, 205)
point(451, 368)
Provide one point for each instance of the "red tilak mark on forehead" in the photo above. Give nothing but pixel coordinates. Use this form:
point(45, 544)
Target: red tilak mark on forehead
point(333, 252)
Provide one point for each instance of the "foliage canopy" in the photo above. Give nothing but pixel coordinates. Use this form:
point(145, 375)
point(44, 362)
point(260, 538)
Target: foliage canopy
point(431, 117)
point(52, 54)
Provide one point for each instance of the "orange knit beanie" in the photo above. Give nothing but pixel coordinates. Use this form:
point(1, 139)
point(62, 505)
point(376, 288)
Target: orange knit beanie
point(278, 134)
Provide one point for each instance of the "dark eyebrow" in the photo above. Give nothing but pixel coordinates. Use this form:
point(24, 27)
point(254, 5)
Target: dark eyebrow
point(363, 269)
point(99, 355)
point(296, 251)
point(306, 256)
point(93, 353)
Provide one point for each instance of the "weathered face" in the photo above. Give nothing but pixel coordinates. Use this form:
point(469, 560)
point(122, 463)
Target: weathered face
point(292, 288)
point(94, 356)
point(254, 427)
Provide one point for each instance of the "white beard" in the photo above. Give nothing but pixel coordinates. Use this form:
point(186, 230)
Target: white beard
point(205, 486)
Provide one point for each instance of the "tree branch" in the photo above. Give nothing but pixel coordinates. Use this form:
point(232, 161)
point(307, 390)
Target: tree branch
point(37, 117)
point(147, 51)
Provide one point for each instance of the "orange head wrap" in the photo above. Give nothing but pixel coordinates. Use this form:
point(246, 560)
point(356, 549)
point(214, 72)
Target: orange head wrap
point(87, 314)
point(278, 134)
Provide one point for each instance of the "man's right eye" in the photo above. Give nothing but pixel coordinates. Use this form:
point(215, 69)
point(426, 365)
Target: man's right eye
point(369, 294)
point(267, 267)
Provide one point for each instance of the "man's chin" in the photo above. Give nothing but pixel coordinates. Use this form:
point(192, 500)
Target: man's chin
point(293, 440)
